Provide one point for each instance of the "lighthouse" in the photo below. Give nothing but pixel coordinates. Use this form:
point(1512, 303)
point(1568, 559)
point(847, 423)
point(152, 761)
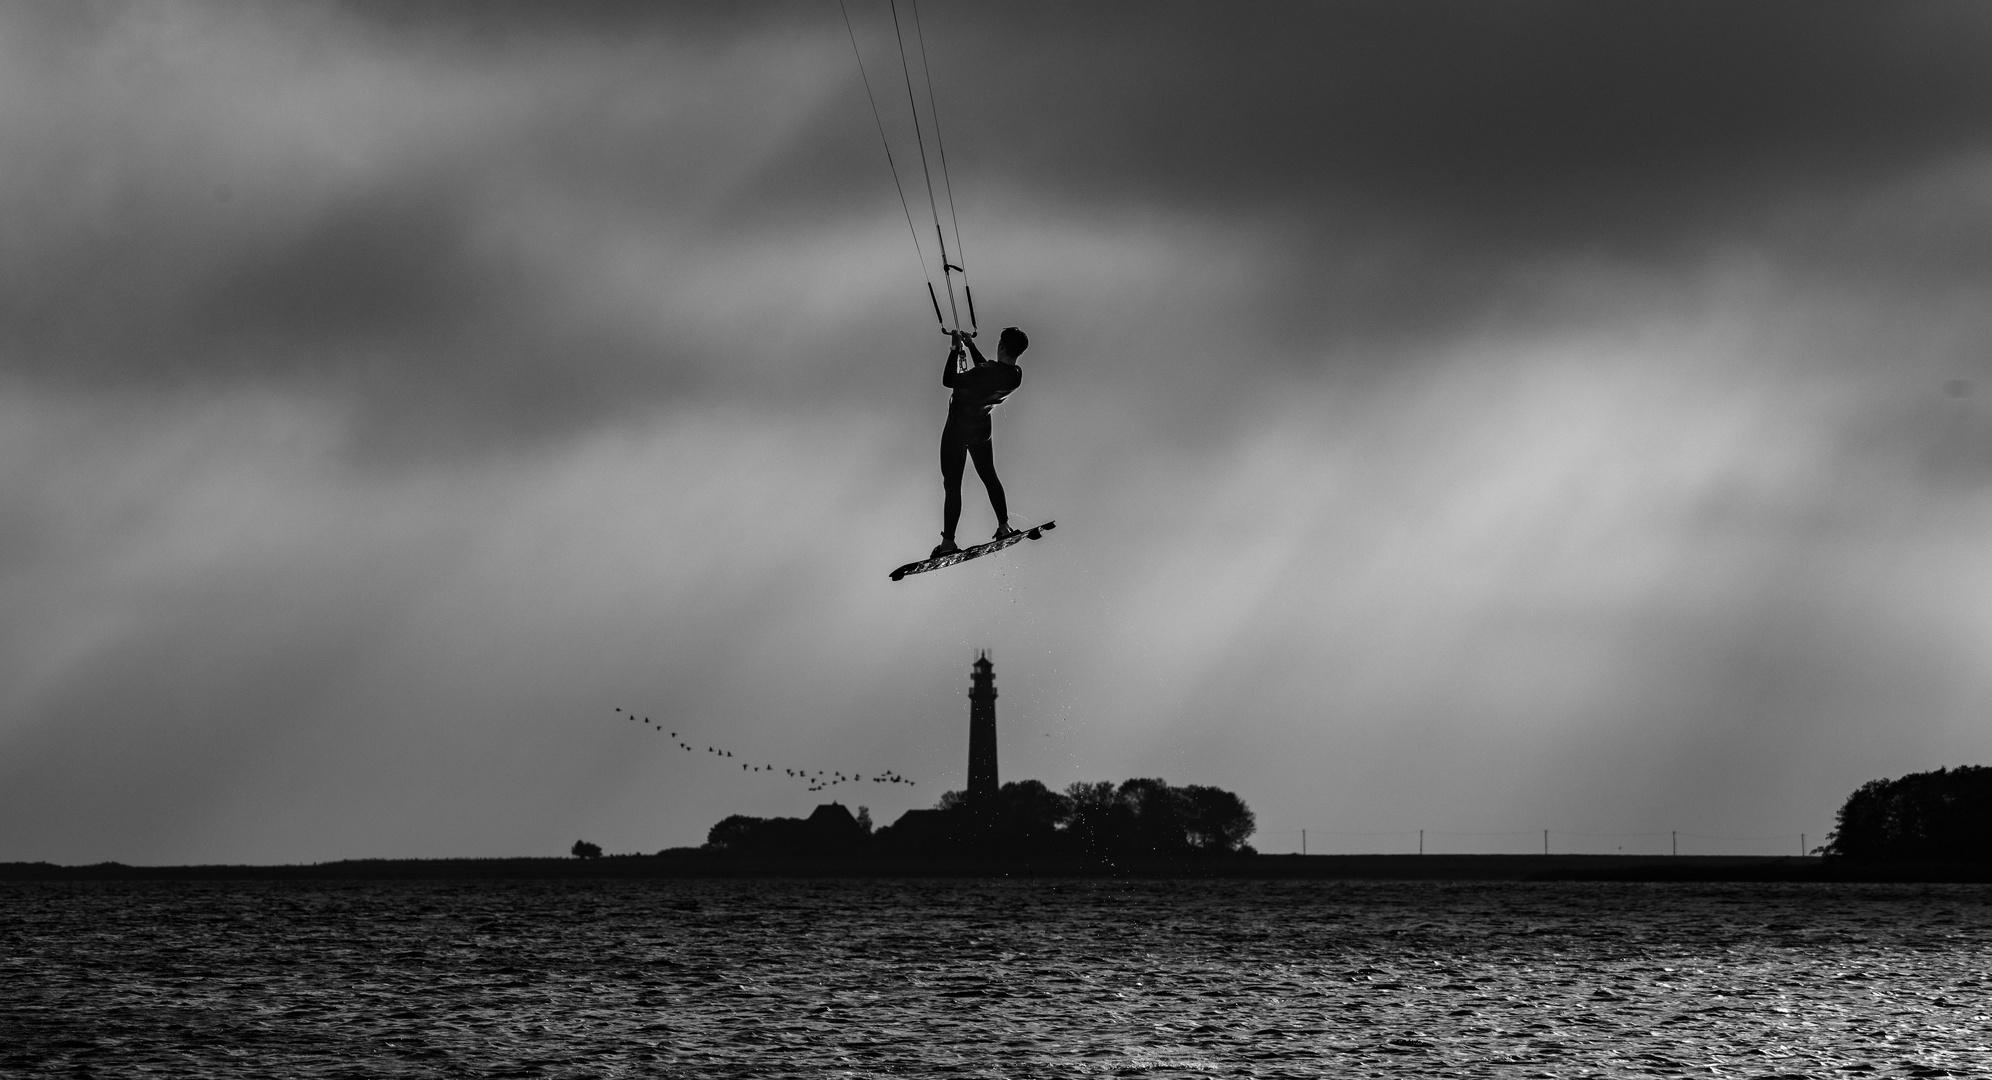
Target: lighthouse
point(982, 730)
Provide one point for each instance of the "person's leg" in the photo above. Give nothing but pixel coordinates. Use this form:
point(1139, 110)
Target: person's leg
point(953, 451)
point(983, 453)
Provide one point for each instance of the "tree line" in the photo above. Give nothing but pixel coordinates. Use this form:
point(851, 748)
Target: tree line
point(1140, 818)
point(1941, 816)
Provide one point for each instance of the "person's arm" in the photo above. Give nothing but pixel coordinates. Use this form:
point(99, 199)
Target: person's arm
point(974, 352)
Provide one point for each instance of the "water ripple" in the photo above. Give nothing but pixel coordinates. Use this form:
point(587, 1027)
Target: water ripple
point(993, 979)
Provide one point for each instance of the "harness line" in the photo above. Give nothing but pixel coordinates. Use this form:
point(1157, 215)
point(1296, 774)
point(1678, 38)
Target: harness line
point(947, 182)
point(890, 164)
point(925, 172)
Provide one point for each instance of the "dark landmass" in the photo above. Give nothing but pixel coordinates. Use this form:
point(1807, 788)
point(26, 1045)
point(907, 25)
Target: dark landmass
point(1924, 827)
point(1923, 817)
point(685, 863)
point(1146, 820)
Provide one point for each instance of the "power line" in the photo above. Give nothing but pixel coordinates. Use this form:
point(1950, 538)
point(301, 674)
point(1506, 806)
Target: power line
point(1665, 841)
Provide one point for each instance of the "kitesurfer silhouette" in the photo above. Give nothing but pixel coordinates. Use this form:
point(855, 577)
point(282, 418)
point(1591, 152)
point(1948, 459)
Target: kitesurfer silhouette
point(978, 387)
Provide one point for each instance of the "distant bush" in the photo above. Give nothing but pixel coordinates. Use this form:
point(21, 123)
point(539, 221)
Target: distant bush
point(584, 850)
point(1941, 816)
point(741, 833)
point(831, 829)
point(1141, 818)
point(1147, 817)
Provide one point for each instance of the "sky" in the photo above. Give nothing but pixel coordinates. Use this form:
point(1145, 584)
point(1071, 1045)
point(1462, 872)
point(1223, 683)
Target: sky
point(1472, 418)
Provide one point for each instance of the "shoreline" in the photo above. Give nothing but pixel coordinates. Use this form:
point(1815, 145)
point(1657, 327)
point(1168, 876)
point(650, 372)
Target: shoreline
point(696, 864)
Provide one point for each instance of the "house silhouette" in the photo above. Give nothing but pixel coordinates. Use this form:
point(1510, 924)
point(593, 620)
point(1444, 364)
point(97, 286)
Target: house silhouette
point(923, 828)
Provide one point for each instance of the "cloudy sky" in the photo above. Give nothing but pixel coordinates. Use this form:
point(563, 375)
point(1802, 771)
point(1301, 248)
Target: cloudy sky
point(1476, 418)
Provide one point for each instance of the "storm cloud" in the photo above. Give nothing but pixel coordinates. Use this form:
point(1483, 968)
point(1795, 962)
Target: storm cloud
point(1467, 417)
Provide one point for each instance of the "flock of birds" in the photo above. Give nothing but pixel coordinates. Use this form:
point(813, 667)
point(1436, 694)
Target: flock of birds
point(817, 779)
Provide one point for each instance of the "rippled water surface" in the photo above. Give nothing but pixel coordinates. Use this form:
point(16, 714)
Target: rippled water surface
point(1000, 979)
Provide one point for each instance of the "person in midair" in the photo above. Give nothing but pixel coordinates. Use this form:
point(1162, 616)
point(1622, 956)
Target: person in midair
point(979, 385)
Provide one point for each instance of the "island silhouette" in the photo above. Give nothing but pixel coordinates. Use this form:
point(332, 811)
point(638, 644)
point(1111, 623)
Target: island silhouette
point(1144, 819)
point(1141, 819)
point(1931, 826)
point(1939, 816)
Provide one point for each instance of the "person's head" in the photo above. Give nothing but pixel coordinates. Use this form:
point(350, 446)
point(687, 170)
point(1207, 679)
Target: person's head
point(1011, 345)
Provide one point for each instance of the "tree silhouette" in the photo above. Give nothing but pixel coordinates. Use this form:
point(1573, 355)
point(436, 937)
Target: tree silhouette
point(734, 833)
point(584, 850)
point(830, 830)
point(1030, 814)
point(1140, 818)
point(1215, 819)
point(1143, 818)
point(1944, 815)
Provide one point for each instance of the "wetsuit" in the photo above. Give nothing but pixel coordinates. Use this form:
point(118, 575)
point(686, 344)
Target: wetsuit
point(976, 391)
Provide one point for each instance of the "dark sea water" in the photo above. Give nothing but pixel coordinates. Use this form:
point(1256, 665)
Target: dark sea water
point(998, 979)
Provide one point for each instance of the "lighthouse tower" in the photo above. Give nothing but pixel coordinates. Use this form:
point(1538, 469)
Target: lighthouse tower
point(982, 730)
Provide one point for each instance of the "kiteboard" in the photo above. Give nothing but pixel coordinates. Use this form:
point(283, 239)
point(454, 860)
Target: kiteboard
point(975, 552)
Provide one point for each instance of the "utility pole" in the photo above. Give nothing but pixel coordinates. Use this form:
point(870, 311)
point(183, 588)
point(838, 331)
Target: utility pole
point(1545, 841)
point(1677, 841)
point(1801, 845)
point(1303, 841)
point(1421, 841)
